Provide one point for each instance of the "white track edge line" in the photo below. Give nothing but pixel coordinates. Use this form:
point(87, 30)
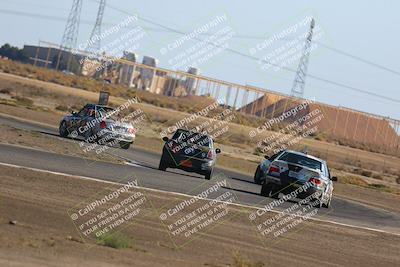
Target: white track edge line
point(190, 196)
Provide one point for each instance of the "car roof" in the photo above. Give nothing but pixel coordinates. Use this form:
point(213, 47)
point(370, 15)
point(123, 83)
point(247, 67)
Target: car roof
point(192, 132)
point(96, 105)
point(305, 155)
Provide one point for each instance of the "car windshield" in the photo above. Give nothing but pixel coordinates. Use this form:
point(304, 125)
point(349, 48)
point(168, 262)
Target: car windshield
point(103, 111)
point(301, 160)
point(192, 138)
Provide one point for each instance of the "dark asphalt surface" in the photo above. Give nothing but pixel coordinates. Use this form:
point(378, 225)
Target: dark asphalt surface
point(144, 169)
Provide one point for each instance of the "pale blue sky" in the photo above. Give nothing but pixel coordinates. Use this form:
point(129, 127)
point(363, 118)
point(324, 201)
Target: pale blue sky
point(367, 29)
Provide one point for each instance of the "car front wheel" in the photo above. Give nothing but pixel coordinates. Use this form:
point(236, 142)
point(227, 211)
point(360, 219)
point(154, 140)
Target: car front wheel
point(257, 175)
point(124, 145)
point(163, 165)
point(208, 175)
point(63, 129)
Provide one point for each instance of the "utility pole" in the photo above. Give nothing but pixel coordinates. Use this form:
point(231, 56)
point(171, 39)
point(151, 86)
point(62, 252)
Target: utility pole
point(300, 79)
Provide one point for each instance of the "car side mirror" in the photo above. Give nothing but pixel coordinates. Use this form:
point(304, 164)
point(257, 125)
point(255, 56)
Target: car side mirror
point(334, 178)
point(266, 157)
point(165, 139)
point(217, 150)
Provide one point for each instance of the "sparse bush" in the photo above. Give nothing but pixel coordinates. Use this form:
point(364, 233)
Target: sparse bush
point(379, 186)
point(366, 173)
point(5, 91)
point(257, 151)
point(23, 101)
point(377, 176)
point(384, 188)
point(354, 180)
point(62, 108)
point(240, 261)
point(116, 241)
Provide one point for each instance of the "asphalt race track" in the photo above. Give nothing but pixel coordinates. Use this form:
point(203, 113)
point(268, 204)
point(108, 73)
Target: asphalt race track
point(143, 167)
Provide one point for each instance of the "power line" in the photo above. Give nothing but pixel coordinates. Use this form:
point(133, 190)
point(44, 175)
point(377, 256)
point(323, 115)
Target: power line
point(257, 59)
point(40, 16)
point(227, 49)
point(368, 62)
point(238, 36)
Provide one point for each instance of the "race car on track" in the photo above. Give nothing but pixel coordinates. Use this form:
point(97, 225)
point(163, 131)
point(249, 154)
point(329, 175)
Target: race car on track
point(189, 151)
point(289, 170)
point(97, 123)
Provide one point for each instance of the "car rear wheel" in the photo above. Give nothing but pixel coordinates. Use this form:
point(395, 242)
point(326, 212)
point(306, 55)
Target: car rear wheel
point(266, 190)
point(275, 191)
point(317, 202)
point(63, 129)
point(257, 175)
point(208, 175)
point(328, 204)
point(124, 145)
point(163, 165)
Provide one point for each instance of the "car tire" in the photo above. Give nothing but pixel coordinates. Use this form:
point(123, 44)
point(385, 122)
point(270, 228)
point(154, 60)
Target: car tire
point(275, 191)
point(257, 175)
point(327, 205)
point(317, 203)
point(162, 166)
point(63, 130)
point(208, 175)
point(124, 145)
point(266, 190)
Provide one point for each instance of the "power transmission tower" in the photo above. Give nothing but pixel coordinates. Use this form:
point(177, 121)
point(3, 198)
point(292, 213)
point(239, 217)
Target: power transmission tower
point(300, 79)
point(70, 36)
point(95, 39)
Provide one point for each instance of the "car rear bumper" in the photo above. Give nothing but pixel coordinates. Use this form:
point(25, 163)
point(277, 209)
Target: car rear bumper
point(287, 185)
point(107, 136)
point(189, 164)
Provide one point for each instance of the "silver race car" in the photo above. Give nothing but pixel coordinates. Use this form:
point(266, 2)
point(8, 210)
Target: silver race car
point(288, 170)
point(96, 123)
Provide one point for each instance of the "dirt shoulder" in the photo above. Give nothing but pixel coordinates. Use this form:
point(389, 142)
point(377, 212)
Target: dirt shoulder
point(46, 142)
point(44, 234)
point(368, 197)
